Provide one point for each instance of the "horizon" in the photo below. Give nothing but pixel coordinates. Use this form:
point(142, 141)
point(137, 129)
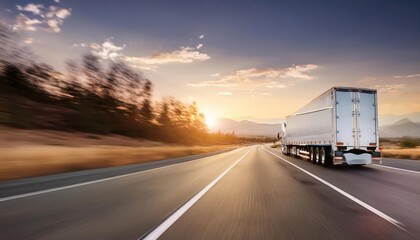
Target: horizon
point(275, 62)
point(413, 117)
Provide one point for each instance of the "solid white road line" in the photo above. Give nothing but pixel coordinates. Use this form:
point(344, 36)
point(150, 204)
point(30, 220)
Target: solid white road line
point(4, 199)
point(157, 232)
point(400, 169)
point(354, 199)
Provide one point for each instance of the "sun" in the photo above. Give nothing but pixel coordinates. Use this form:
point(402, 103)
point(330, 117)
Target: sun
point(210, 121)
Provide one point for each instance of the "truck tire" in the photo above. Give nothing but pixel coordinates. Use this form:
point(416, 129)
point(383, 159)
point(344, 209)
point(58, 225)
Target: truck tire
point(322, 156)
point(325, 157)
point(287, 150)
point(295, 152)
point(312, 155)
point(316, 155)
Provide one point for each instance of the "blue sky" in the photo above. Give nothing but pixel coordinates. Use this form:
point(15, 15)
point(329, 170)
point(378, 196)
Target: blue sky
point(255, 60)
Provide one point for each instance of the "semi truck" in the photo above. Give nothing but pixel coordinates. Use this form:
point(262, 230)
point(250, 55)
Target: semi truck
point(338, 127)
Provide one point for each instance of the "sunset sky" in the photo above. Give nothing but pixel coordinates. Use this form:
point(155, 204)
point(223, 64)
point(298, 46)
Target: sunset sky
point(253, 60)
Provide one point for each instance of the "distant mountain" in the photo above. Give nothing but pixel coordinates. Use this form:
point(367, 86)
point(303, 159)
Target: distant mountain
point(246, 128)
point(403, 121)
point(390, 119)
point(402, 128)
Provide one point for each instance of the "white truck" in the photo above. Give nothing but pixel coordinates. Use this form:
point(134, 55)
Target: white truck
point(338, 127)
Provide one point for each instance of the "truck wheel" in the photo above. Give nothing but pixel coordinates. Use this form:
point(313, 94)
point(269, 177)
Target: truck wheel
point(312, 155)
point(316, 156)
point(322, 156)
point(287, 150)
point(325, 157)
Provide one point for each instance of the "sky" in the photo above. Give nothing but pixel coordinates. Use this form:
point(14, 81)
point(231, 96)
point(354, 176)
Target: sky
point(243, 60)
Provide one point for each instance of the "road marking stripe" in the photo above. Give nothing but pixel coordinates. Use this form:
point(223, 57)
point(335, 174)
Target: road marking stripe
point(23, 195)
point(401, 169)
point(157, 232)
point(354, 199)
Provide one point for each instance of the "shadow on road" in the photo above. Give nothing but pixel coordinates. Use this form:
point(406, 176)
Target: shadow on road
point(355, 168)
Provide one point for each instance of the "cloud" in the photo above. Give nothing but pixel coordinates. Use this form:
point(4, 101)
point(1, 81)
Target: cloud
point(409, 76)
point(94, 45)
point(201, 36)
point(199, 46)
point(109, 51)
point(58, 12)
point(369, 80)
point(48, 20)
point(57, 1)
point(224, 93)
point(182, 55)
point(25, 23)
point(79, 45)
point(215, 75)
point(35, 9)
point(275, 86)
point(390, 88)
point(53, 25)
point(253, 77)
point(29, 41)
point(106, 51)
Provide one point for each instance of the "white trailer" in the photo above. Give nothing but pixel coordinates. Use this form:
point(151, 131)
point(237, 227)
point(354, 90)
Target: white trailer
point(338, 127)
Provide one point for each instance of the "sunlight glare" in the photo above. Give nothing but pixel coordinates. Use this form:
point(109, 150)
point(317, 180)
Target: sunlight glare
point(210, 121)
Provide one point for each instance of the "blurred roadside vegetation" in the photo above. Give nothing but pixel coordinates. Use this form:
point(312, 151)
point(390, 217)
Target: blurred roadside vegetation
point(399, 143)
point(404, 148)
point(409, 143)
point(93, 96)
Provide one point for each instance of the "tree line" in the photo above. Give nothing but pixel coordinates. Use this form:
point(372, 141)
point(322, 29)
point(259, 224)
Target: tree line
point(92, 96)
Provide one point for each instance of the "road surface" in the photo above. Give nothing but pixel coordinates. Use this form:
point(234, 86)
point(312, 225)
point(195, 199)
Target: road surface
point(252, 192)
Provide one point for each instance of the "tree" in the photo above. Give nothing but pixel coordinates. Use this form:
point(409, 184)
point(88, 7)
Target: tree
point(197, 119)
point(164, 117)
point(129, 87)
point(93, 71)
point(73, 88)
point(146, 111)
point(11, 53)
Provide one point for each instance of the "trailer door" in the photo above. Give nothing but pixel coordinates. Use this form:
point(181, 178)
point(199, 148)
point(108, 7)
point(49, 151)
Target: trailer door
point(366, 118)
point(345, 118)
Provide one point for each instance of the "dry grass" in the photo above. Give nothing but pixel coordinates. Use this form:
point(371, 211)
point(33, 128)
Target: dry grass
point(28, 153)
point(392, 148)
point(405, 153)
point(27, 161)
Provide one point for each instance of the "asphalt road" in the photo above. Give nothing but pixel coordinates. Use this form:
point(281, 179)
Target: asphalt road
point(248, 193)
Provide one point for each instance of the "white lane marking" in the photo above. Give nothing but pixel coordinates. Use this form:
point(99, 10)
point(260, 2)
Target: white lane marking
point(354, 199)
point(157, 232)
point(400, 169)
point(4, 199)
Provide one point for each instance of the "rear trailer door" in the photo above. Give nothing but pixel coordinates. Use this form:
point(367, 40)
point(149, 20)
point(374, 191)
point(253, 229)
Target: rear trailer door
point(346, 122)
point(366, 118)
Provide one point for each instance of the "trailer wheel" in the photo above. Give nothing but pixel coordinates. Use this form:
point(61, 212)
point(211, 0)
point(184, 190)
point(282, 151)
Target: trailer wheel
point(325, 157)
point(295, 154)
point(312, 155)
point(287, 150)
point(322, 156)
point(317, 156)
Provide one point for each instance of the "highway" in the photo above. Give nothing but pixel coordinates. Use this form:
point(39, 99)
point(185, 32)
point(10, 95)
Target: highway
point(252, 192)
